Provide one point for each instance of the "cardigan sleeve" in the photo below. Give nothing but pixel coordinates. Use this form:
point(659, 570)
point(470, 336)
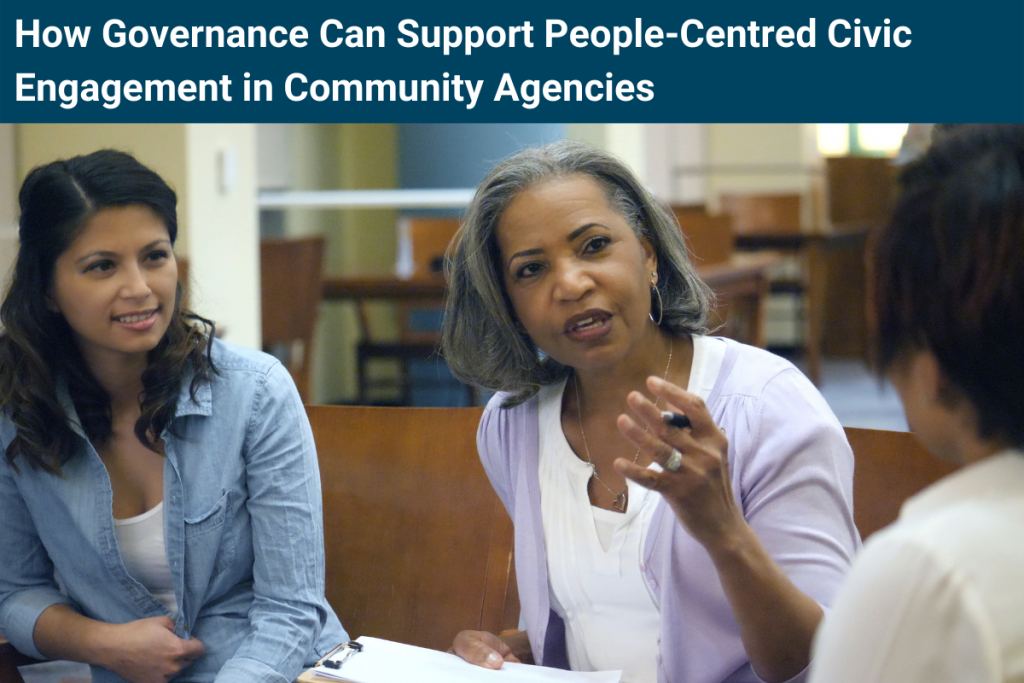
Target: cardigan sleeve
point(492, 442)
point(796, 484)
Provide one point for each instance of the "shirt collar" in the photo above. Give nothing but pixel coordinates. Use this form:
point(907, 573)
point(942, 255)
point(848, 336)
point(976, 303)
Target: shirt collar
point(201, 405)
point(203, 402)
point(68, 406)
point(998, 475)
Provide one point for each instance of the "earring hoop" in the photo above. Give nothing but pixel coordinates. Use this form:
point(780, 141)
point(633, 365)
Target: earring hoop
point(661, 306)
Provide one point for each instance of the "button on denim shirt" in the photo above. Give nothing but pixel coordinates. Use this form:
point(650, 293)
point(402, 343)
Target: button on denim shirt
point(243, 527)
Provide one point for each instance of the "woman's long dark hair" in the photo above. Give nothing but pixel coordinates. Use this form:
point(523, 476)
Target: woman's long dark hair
point(38, 353)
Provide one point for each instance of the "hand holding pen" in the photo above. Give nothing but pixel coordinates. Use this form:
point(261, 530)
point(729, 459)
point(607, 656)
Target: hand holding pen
point(693, 454)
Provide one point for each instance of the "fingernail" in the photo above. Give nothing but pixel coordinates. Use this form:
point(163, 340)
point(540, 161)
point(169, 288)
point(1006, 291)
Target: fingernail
point(657, 381)
point(494, 659)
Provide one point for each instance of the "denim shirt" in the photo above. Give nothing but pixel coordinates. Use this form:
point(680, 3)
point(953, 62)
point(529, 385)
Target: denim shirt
point(243, 527)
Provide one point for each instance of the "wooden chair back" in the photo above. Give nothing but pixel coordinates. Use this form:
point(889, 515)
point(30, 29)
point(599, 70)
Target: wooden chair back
point(186, 300)
point(10, 660)
point(418, 545)
point(709, 238)
point(861, 191)
point(889, 467)
point(291, 289)
point(425, 241)
point(763, 214)
point(422, 244)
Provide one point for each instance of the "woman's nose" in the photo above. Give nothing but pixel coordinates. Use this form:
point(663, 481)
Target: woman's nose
point(572, 282)
point(135, 284)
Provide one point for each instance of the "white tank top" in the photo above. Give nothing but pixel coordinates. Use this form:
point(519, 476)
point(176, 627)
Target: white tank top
point(595, 556)
point(140, 540)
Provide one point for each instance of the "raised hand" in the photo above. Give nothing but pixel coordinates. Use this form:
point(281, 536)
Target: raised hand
point(700, 490)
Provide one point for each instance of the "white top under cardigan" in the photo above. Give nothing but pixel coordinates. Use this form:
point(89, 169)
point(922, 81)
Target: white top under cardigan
point(595, 555)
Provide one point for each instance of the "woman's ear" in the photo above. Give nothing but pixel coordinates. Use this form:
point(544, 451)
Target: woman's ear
point(650, 259)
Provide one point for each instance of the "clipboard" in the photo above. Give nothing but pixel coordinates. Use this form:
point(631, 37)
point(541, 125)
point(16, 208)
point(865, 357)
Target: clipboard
point(374, 660)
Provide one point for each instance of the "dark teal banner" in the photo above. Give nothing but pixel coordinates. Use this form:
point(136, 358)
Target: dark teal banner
point(743, 61)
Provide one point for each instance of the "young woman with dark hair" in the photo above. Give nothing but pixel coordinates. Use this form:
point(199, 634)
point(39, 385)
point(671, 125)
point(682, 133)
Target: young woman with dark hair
point(159, 492)
point(938, 596)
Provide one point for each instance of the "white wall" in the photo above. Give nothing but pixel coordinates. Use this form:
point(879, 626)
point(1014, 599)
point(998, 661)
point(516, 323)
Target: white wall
point(782, 158)
point(223, 220)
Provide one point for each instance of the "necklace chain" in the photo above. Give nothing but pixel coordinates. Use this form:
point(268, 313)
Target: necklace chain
point(621, 498)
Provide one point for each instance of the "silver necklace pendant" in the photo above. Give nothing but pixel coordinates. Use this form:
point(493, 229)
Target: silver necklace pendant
point(620, 499)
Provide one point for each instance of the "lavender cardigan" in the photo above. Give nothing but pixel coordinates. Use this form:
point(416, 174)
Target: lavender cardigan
point(792, 473)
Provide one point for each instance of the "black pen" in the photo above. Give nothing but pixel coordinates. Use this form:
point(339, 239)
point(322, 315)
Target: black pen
point(677, 420)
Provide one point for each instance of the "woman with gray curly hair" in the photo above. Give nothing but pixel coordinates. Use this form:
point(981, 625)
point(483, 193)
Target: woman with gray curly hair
point(682, 503)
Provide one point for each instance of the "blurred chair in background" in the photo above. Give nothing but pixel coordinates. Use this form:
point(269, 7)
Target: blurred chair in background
point(709, 238)
point(772, 222)
point(291, 288)
point(861, 194)
point(420, 377)
point(739, 281)
point(861, 191)
point(186, 299)
point(757, 216)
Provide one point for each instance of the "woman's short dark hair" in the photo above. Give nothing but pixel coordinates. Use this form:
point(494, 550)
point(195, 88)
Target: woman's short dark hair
point(950, 272)
point(38, 355)
point(482, 340)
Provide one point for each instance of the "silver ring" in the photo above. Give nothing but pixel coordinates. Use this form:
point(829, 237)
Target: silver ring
point(675, 461)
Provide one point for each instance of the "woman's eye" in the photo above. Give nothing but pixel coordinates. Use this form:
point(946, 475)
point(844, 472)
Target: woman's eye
point(527, 270)
point(99, 266)
point(596, 244)
point(158, 255)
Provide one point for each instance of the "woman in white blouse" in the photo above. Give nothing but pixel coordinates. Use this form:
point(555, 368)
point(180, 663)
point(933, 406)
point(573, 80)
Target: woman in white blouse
point(938, 597)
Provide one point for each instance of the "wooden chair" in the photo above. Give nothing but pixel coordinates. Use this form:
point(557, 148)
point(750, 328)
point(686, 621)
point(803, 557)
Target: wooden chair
point(10, 660)
point(861, 195)
point(425, 241)
point(186, 300)
point(291, 289)
point(422, 243)
point(772, 222)
point(758, 215)
point(889, 467)
point(418, 545)
point(737, 313)
point(861, 191)
point(709, 238)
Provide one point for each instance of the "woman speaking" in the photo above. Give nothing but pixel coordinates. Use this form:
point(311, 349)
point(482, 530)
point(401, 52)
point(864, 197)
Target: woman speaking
point(697, 548)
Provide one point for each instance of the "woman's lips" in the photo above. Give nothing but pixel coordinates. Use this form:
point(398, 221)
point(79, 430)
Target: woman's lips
point(138, 322)
point(588, 326)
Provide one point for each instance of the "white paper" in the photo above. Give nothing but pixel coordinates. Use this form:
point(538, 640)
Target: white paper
point(384, 661)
